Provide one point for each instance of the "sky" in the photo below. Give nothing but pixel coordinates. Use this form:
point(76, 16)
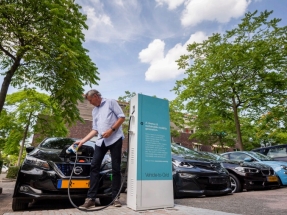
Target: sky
point(135, 43)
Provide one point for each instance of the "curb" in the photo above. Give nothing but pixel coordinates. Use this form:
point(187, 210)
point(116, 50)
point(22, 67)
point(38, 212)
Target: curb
point(8, 180)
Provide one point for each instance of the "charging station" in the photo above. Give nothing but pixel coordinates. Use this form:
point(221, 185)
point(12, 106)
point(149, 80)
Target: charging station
point(150, 184)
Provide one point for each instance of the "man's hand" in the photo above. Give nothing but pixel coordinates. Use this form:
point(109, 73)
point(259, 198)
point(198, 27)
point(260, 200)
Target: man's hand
point(79, 143)
point(86, 138)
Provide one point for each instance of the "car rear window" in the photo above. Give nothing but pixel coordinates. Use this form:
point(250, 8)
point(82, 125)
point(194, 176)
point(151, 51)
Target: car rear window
point(280, 151)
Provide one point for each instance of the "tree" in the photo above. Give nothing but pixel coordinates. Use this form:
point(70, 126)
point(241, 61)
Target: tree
point(41, 45)
point(32, 112)
point(243, 70)
point(271, 128)
point(213, 127)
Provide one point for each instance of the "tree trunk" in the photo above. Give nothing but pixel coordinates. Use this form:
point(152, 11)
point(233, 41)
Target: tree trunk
point(6, 83)
point(237, 125)
point(23, 141)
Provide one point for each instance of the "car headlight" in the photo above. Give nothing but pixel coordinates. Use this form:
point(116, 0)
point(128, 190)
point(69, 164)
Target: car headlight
point(182, 164)
point(247, 170)
point(36, 162)
point(186, 175)
point(283, 167)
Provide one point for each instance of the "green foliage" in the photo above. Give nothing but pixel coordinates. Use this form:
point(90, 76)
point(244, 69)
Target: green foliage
point(243, 70)
point(31, 111)
point(12, 172)
point(176, 117)
point(41, 45)
point(271, 128)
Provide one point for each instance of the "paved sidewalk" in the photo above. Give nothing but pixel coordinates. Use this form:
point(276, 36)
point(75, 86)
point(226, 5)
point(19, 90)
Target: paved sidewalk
point(6, 207)
point(177, 210)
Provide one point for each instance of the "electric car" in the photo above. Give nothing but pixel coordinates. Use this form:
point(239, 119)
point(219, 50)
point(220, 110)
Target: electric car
point(45, 173)
point(195, 176)
point(278, 152)
point(280, 167)
point(246, 175)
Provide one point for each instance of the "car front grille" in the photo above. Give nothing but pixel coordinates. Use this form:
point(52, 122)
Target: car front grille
point(269, 171)
point(82, 169)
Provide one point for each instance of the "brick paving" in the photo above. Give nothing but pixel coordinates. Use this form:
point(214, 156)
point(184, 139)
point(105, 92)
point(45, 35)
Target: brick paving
point(6, 207)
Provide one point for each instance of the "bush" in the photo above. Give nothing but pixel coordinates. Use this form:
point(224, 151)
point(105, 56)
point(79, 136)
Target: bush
point(12, 172)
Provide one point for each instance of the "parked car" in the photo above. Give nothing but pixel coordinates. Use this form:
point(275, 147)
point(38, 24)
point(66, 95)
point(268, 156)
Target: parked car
point(47, 168)
point(4, 169)
point(278, 152)
point(194, 175)
point(247, 175)
point(280, 167)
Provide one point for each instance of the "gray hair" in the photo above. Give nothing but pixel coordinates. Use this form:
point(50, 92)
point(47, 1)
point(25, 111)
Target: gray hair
point(93, 92)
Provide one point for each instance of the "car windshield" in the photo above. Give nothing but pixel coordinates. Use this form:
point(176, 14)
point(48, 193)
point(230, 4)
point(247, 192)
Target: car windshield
point(57, 143)
point(260, 156)
point(180, 150)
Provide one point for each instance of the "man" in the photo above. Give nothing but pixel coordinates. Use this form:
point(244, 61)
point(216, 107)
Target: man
point(107, 120)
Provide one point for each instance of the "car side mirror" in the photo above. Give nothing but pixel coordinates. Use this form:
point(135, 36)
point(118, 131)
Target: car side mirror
point(29, 149)
point(248, 159)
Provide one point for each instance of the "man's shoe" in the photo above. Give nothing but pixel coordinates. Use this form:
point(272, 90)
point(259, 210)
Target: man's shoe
point(117, 203)
point(88, 203)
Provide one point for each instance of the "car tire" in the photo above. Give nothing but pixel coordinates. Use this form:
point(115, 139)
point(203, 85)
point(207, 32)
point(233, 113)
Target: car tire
point(105, 201)
point(18, 205)
point(235, 183)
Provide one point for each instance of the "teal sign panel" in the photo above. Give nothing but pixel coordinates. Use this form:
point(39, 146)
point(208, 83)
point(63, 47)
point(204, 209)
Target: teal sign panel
point(154, 147)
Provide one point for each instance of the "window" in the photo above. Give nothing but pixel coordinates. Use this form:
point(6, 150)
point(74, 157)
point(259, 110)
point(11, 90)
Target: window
point(238, 156)
point(280, 151)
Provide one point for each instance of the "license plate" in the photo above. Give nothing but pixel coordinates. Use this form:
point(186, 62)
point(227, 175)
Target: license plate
point(74, 184)
point(272, 178)
point(217, 180)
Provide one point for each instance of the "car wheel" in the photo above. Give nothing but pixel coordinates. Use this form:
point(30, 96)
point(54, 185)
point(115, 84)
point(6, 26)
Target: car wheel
point(105, 201)
point(235, 183)
point(18, 205)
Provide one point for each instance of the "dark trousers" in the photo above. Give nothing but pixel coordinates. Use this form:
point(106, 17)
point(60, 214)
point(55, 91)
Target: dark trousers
point(99, 153)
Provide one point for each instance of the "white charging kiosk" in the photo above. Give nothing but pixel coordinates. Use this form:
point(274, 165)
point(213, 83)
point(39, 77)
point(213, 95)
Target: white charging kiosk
point(150, 184)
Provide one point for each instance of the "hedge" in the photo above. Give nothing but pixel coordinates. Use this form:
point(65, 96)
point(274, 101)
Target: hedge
point(12, 172)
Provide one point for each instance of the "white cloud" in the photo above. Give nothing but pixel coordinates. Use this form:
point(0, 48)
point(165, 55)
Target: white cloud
point(172, 4)
point(197, 11)
point(221, 11)
point(111, 21)
point(164, 67)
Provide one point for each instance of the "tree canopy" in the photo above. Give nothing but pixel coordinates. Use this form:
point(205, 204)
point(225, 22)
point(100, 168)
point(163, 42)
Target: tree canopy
point(41, 45)
point(243, 71)
point(30, 112)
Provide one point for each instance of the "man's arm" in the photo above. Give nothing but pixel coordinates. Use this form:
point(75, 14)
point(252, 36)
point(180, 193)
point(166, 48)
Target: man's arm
point(115, 126)
point(86, 138)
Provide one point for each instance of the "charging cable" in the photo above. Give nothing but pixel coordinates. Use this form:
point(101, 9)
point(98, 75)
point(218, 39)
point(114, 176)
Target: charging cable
point(123, 178)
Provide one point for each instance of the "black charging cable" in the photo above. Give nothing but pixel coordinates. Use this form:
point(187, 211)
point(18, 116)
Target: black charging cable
point(123, 178)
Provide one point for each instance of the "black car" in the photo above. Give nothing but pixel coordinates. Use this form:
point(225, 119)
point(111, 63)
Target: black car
point(195, 176)
point(277, 152)
point(247, 175)
point(47, 168)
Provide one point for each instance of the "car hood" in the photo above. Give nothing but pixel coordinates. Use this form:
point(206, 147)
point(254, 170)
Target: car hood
point(194, 160)
point(56, 155)
point(248, 164)
point(274, 164)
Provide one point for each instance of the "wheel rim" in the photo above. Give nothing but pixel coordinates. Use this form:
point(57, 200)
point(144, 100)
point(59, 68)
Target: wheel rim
point(233, 184)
